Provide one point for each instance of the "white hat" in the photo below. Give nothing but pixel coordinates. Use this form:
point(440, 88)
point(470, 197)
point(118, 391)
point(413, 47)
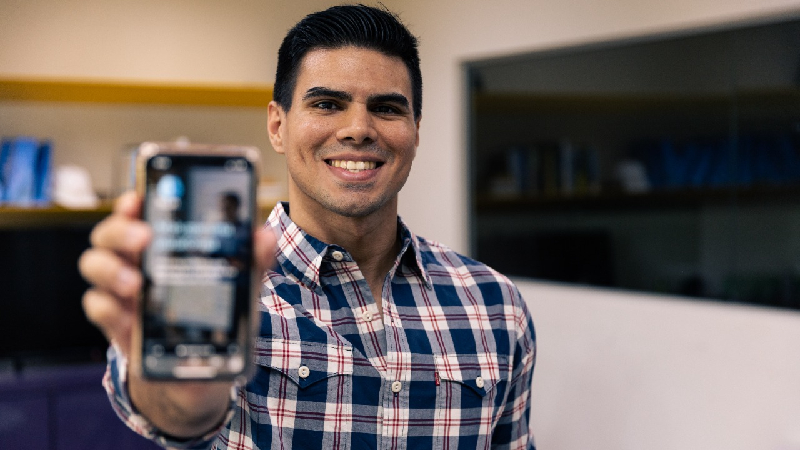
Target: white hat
point(73, 188)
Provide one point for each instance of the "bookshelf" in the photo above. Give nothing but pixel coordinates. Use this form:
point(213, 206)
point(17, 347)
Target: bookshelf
point(110, 92)
point(677, 117)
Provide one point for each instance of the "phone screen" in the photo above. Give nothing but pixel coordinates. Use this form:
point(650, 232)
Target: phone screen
point(197, 269)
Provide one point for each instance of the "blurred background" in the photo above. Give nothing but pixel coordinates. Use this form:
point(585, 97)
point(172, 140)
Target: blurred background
point(640, 157)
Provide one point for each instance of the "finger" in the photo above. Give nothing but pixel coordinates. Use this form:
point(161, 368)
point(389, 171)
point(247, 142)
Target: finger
point(108, 271)
point(129, 204)
point(121, 234)
point(122, 231)
point(114, 320)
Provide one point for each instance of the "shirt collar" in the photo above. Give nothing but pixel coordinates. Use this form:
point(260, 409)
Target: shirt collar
point(301, 255)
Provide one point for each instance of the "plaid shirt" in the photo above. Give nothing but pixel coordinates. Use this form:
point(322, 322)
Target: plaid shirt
point(448, 364)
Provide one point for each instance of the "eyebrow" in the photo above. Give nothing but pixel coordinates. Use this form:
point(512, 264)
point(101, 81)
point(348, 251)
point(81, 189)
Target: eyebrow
point(318, 92)
point(398, 99)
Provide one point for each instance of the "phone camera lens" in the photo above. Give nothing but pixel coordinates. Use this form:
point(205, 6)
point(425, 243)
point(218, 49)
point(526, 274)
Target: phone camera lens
point(162, 162)
point(236, 165)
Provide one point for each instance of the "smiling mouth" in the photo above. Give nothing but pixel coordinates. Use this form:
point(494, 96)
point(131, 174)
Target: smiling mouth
point(354, 166)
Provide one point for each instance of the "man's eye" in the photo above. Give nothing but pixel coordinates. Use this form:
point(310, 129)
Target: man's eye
point(325, 105)
point(386, 109)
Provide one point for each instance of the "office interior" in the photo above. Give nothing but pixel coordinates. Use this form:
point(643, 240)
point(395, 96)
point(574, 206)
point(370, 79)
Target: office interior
point(625, 361)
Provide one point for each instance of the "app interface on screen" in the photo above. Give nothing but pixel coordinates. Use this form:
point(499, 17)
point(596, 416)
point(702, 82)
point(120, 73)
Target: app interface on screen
point(197, 266)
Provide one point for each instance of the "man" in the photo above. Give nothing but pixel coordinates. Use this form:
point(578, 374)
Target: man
point(371, 337)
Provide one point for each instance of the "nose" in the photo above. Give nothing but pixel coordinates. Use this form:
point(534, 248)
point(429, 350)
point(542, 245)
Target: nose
point(357, 126)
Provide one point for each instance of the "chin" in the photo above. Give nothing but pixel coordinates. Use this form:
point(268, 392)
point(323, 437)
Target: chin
point(355, 209)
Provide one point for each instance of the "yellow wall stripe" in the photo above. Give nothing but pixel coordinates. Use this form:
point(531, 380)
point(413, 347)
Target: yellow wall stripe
point(57, 90)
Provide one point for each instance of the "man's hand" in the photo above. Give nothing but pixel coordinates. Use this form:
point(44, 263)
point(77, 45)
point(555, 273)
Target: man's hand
point(111, 265)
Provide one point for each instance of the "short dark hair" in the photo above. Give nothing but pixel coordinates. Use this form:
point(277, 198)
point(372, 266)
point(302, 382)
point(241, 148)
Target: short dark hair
point(343, 26)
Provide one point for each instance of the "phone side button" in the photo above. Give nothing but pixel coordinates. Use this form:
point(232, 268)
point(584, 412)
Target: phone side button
point(194, 372)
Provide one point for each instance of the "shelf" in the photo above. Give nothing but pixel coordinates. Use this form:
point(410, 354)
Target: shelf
point(523, 102)
point(620, 201)
point(18, 217)
point(133, 92)
point(57, 216)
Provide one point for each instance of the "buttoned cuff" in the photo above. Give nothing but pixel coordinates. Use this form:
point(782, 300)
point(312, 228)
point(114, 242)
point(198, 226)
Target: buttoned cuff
point(115, 383)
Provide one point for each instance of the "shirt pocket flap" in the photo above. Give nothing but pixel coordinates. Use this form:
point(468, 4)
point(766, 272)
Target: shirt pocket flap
point(480, 373)
point(305, 363)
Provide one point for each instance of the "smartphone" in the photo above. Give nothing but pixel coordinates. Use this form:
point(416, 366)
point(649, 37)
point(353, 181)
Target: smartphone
point(196, 310)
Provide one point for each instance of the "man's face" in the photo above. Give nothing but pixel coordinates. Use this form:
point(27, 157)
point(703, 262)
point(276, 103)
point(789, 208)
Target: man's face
point(350, 135)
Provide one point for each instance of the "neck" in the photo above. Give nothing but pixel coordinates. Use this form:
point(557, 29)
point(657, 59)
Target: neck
point(371, 240)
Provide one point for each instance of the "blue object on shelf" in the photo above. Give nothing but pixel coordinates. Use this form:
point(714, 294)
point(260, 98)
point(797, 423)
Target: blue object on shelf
point(43, 174)
point(21, 171)
point(25, 171)
point(5, 149)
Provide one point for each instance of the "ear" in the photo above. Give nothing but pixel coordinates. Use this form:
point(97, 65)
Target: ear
point(275, 121)
point(416, 143)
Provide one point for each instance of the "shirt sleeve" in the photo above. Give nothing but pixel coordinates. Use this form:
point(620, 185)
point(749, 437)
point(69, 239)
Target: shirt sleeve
point(116, 386)
point(513, 429)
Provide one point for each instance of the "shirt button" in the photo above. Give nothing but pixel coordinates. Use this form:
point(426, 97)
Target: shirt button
point(479, 382)
point(303, 371)
point(397, 387)
point(337, 255)
point(367, 316)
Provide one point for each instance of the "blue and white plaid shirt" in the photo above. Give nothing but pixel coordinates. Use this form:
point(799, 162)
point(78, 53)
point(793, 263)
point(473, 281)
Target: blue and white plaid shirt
point(447, 366)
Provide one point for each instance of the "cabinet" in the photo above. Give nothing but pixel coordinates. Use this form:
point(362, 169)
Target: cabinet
point(669, 164)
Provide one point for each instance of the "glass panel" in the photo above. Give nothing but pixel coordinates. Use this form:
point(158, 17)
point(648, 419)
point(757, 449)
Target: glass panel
point(666, 164)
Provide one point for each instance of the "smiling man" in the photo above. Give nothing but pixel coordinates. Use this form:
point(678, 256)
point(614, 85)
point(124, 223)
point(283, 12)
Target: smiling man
point(371, 336)
point(349, 136)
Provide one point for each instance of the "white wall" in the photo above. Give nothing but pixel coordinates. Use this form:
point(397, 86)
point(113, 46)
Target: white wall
point(176, 40)
point(621, 371)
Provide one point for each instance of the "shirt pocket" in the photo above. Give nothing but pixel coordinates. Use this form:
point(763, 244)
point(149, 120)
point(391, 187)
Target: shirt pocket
point(305, 363)
point(292, 388)
point(471, 381)
point(470, 391)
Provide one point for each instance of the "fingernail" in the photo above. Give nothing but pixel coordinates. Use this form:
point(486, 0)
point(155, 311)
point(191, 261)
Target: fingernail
point(138, 234)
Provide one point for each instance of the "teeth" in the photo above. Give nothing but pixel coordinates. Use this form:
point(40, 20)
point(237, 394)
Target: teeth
point(354, 166)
